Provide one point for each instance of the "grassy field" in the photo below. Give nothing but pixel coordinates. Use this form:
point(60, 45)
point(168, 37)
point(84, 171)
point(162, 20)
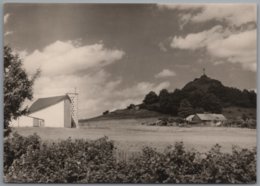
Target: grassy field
point(130, 136)
point(234, 112)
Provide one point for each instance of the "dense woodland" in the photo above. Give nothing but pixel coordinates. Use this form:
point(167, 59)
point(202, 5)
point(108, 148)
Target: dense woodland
point(200, 95)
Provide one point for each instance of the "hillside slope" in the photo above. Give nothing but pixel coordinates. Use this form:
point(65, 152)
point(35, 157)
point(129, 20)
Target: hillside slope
point(126, 114)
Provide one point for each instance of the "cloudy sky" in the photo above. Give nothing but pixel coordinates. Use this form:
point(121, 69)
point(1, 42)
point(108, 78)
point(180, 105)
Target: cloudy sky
point(115, 54)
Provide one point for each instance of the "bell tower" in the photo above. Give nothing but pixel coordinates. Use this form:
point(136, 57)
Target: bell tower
point(74, 105)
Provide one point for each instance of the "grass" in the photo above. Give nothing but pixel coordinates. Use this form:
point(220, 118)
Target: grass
point(235, 112)
point(130, 136)
point(125, 114)
point(229, 112)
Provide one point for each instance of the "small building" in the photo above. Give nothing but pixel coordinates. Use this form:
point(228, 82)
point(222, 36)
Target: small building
point(189, 118)
point(48, 112)
point(133, 107)
point(207, 118)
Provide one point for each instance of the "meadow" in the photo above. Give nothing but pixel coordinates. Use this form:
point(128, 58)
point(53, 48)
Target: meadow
point(129, 135)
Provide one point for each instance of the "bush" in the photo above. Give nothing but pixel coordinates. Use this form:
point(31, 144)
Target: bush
point(106, 112)
point(238, 167)
point(81, 161)
point(249, 123)
point(64, 162)
point(15, 146)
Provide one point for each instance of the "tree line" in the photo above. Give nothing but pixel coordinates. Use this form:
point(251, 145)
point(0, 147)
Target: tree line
point(201, 95)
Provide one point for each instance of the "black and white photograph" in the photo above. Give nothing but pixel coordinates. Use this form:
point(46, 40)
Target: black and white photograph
point(130, 93)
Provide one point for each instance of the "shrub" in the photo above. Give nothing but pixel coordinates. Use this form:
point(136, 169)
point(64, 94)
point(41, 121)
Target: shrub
point(131, 106)
point(238, 167)
point(106, 112)
point(81, 161)
point(176, 165)
point(15, 146)
point(249, 123)
point(64, 162)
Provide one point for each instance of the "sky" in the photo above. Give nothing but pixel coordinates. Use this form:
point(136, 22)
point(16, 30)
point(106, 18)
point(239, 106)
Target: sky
point(114, 54)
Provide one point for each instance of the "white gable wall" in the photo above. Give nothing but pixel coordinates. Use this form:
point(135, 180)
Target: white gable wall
point(22, 121)
point(53, 115)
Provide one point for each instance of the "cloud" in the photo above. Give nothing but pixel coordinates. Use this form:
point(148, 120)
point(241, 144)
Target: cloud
point(162, 47)
point(223, 44)
point(141, 89)
point(237, 48)
point(109, 96)
point(61, 58)
point(66, 65)
point(233, 40)
point(8, 32)
point(165, 73)
point(194, 41)
point(94, 90)
point(233, 14)
point(6, 17)
point(121, 98)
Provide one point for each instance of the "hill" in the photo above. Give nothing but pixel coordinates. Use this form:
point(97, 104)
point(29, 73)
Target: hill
point(204, 83)
point(228, 96)
point(126, 114)
point(203, 94)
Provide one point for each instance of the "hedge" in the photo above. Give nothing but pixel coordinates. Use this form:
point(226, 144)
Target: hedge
point(29, 160)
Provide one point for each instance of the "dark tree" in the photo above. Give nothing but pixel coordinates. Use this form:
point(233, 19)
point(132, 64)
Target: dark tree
point(151, 98)
point(199, 110)
point(185, 108)
point(211, 103)
point(165, 102)
point(17, 87)
point(195, 98)
point(131, 106)
point(106, 112)
point(252, 98)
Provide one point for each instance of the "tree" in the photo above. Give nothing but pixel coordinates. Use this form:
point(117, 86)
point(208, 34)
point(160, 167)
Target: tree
point(252, 98)
point(165, 102)
point(106, 112)
point(130, 107)
point(199, 110)
point(185, 108)
point(176, 98)
point(211, 103)
point(150, 98)
point(195, 97)
point(17, 87)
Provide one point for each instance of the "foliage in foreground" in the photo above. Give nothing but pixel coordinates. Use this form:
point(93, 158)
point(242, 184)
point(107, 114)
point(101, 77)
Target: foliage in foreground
point(29, 160)
point(17, 87)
